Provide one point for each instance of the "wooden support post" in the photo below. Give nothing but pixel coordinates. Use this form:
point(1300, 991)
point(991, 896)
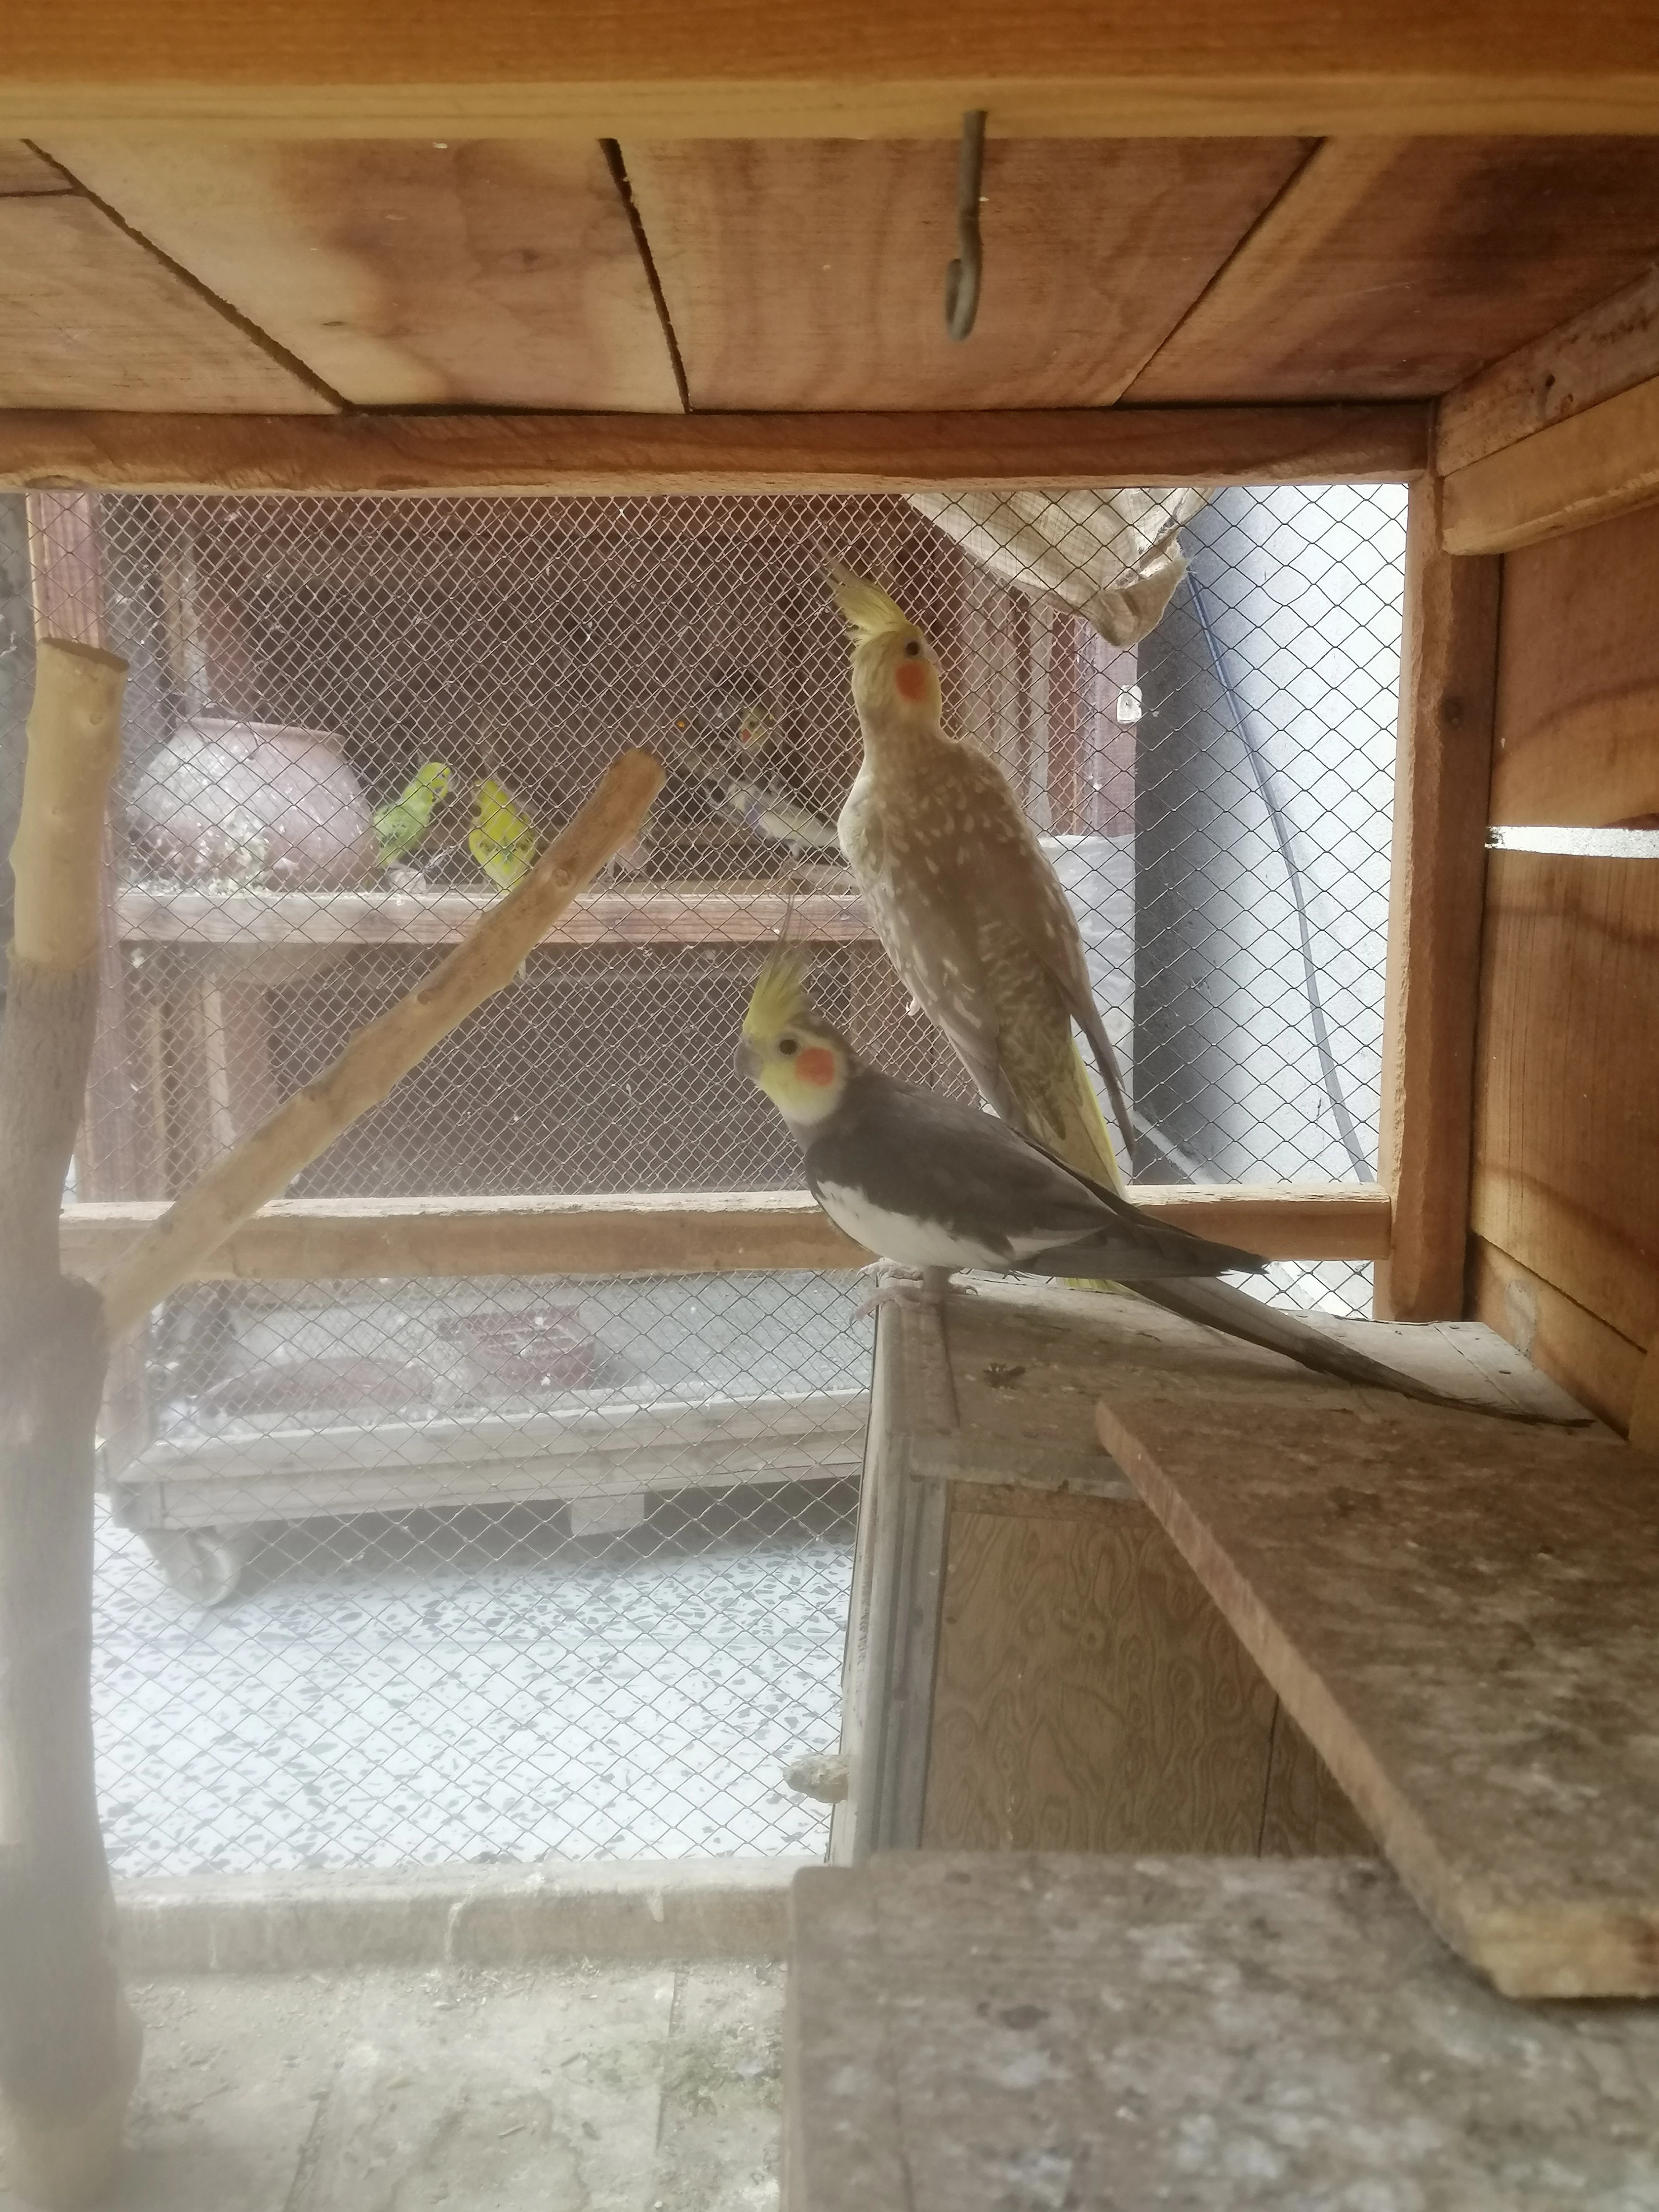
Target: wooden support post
point(68, 2047)
point(1444, 769)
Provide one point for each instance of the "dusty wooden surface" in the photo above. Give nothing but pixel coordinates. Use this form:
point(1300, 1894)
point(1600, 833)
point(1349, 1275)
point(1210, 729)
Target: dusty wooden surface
point(979, 2033)
point(807, 274)
point(1443, 767)
point(1606, 349)
point(1567, 1080)
point(1582, 470)
point(408, 274)
point(1578, 678)
point(1392, 267)
point(1561, 1338)
point(1460, 1614)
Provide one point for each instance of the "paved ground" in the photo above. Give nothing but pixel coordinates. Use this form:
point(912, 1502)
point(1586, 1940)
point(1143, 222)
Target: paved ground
point(557, 2089)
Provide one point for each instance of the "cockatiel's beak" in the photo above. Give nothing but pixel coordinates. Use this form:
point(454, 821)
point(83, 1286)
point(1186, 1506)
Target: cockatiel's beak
point(746, 1060)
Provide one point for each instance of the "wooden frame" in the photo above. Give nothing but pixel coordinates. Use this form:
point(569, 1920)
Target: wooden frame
point(1586, 468)
point(658, 68)
point(1447, 689)
point(1059, 449)
point(671, 1233)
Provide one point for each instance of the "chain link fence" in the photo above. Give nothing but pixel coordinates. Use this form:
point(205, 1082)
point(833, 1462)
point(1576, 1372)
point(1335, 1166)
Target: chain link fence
point(406, 1572)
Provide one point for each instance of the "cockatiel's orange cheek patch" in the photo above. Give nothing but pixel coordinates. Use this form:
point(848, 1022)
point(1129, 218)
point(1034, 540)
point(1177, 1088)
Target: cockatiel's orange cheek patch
point(816, 1064)
point(911, 678)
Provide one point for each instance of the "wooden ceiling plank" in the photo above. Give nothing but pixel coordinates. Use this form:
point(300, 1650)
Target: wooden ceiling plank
point(811, 274)
point(22, 171)
point(94, 321)
point(1393, 269)
point(713, 69)
point(1611, 346)
point(408, 274)
point(1083, 449)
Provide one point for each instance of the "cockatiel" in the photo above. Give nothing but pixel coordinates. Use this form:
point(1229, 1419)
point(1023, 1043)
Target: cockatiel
point(964, 901)
point(400, 826)
point(503, 841)
point(935, 1186)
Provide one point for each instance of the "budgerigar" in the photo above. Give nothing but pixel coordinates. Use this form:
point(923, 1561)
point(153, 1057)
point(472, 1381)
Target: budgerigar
point(400, 826)
point(502, 839)
point(935, 1186)
point(964, 899)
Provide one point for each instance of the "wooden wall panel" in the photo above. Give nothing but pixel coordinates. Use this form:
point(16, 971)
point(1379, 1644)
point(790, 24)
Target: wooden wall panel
point(1089, 1697)
point(1600, 1367)
point(408, 273)
point(812, 274)
point(92, 319)
point(1578, 719)
point(1395, 267)
point(1567, 1085)
point(22, 170)
point(1308, 1814)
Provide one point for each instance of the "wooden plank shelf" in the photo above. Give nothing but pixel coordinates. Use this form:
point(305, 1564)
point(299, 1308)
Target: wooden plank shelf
point(1460, 1614)
point(162, 914)
point(970, 2031)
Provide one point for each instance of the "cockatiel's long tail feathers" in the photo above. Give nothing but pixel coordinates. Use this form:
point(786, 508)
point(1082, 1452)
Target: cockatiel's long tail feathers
point(1112, 1076)
point(1087, 1126)
point(1236, 1313)
point(868, 610)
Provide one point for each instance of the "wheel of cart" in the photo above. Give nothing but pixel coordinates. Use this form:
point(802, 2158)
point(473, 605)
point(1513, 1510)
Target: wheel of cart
point(203, 1565)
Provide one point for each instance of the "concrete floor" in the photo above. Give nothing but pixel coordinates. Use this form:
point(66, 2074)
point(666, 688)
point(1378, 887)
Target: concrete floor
point(552, 2089)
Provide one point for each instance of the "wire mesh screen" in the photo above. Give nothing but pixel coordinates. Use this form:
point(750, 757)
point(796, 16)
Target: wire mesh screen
point(506, 1568)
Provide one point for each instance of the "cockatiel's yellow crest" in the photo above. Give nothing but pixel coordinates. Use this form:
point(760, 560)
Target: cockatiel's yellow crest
point(964, 900)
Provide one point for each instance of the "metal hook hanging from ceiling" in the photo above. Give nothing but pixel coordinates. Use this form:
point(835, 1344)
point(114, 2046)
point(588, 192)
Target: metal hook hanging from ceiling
point(962, 278)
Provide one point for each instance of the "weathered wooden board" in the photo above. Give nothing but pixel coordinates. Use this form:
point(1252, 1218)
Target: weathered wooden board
point(1567, 1080)
point(1612, 345)
point(1393, 267)
point(407, 273)
point(1601, 1368)
point(631, 454)
point(1443, 768)
point(22, 170)
point(1583, 470)
point(970, 2032)
point(1460, 1614)
point(1578, 724)
point(811, 274)
point(92, 319)
point(839, 70)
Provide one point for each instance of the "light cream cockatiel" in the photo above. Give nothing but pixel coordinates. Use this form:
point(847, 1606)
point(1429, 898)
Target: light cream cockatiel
point(974, 918)
point(964, 899)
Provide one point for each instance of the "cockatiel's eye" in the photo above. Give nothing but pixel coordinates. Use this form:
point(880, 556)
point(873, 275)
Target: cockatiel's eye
point(913, 649)
point(788, 1046)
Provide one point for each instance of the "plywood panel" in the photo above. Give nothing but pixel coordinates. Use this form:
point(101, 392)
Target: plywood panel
point(22, 170)
point(1460, 1614)
point(1601, 1368)
point(1307, 1813)
point(408, 274)
point(1578, 724)
point(1393, 267)
point(1567, 1080)
point(1089, 1697)
point(92, 319)
point(812, 274)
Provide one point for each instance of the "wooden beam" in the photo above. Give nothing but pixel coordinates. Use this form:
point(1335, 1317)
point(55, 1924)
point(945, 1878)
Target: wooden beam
point(406, 67)
point(661, 1233)
point(1441, 774)
point(1605, 351)
point(1601, 463)
point(1080, 448)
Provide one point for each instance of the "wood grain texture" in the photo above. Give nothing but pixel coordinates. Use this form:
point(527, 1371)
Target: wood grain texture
point(1612, 345)
point(604, 454)
point(1397, 267)
point(1307, 1814)
point(1577, 736)
point(1567, 1080)
point(1443, 767)
point(811, 274)
point(1563, 1340)
point(1584, 469)
point(22, 170)
point(978, 2032)
point(405, 273)
point(92, 319)
point(1089, 1696)
point(854, 68)
point(1458, 1613)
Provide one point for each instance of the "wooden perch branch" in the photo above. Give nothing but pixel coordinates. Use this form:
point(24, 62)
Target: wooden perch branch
point(262, 1167)
point(69, 2044)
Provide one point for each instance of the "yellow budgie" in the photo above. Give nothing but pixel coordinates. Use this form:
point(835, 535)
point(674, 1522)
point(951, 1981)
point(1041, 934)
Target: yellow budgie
point(400, 826)
point(503, 841)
